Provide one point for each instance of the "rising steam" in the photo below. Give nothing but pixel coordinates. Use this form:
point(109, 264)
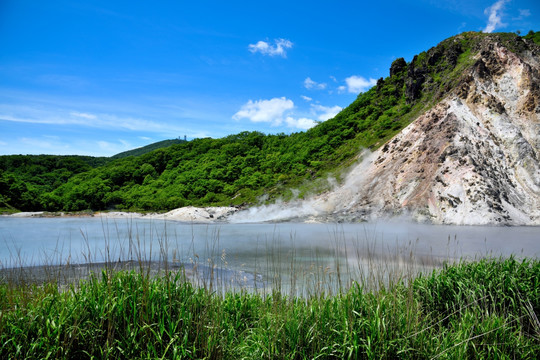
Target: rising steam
point(339, 198)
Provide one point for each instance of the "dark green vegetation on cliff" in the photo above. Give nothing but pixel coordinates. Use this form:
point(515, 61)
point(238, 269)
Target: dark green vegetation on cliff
point(534, 36)
point(240, 168)
point(481, 310)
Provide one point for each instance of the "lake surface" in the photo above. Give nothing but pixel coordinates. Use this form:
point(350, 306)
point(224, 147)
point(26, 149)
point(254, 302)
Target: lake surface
point(290, 252)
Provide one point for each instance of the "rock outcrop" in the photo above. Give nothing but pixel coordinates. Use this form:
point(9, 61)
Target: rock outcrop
point(472, 158)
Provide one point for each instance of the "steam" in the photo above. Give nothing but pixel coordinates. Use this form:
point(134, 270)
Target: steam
point(354, 187)
point(340, 197)
point(278, 211)
point(495, 20)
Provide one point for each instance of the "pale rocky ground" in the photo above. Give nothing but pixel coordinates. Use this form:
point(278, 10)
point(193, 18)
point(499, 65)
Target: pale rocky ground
point(472, 159)
point(27, 214)
point(185, 214)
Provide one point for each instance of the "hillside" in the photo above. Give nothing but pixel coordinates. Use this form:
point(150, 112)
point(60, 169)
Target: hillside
point(240, 169)
point(148, 148)
point(24, 178)
point(472, 158)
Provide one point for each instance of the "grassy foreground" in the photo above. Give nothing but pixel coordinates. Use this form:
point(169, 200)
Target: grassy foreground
point(486, 310)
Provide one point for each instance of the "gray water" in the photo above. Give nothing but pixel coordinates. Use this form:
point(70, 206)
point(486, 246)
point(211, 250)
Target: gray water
point(295, 252)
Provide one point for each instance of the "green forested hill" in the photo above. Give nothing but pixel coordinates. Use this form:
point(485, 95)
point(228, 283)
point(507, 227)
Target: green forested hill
point(239, 168)
point(24, 178)
point(148, 148)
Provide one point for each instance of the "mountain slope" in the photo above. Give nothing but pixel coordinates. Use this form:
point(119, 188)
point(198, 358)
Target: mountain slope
point(473, 158)
point(148, 148)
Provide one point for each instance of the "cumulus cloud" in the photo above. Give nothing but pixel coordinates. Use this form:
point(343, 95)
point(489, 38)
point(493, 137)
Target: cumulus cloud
point(302, 123)
point(278, 111)
point(307, 98)
point(357, 84)
point(325, 112)
point(495, 18)
point(277, 49)
point(270, 111)
point(310, 84)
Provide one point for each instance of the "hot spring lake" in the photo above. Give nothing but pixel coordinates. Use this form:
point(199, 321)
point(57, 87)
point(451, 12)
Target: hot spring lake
point(258, 250)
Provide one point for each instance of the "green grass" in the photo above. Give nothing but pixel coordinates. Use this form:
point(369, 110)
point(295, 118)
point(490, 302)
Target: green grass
point(7, 210)
point(485, 309)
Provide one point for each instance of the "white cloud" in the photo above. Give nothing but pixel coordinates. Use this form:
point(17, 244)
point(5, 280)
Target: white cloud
point(333, 78)
point(95, 119)
point(275, 111)
point(84, 115)
point(523, 13)
point(270, 111)
point(495, 19)
point(307, 98)
point(302, 123)
point(325, 112)
point(342, 89)
point(66, 118)
point(279, 49)
point(357, 84)
point(310, 84)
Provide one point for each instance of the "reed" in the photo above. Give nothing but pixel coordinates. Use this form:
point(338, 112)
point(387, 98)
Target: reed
point(154, 307)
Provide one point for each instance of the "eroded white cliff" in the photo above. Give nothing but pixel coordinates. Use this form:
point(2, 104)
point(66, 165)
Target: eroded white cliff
point(472, 159)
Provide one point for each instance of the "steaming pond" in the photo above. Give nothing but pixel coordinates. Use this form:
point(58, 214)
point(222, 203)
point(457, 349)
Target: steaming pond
point(259, 254)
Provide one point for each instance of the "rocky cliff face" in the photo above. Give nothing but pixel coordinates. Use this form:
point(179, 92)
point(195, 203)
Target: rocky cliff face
point(473, 158)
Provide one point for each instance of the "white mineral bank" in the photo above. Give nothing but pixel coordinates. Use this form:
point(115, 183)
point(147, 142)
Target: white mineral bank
point(184, 214)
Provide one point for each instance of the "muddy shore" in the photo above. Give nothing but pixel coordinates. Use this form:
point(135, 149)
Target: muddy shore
point(68, 275)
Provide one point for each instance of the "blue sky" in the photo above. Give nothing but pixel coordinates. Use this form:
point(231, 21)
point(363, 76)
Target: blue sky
point(100, 77)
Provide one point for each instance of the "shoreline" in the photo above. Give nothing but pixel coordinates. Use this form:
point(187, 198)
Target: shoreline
point(227, 214)
point(184, 214)
point(65, 275)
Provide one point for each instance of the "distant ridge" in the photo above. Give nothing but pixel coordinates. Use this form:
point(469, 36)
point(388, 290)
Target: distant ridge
point(148, 148)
